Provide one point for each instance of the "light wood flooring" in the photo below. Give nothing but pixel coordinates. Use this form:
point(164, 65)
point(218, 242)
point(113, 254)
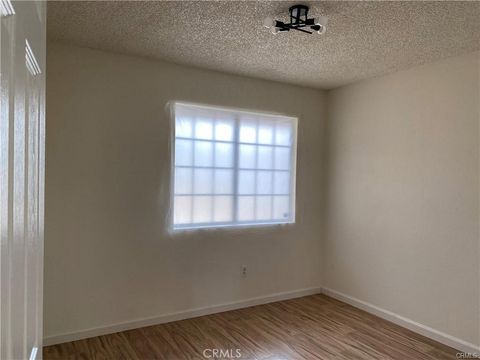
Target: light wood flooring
point(312, 327)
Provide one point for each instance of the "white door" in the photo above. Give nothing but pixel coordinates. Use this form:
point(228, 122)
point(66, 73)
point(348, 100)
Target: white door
point(22, 159)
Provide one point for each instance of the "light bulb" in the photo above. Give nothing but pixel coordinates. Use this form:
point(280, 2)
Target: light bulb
point(322, 30)
point(275, 30)
point(322, 20)
point(268, 22)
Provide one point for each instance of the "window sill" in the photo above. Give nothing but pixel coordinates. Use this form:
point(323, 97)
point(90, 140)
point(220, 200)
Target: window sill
point(191, 228)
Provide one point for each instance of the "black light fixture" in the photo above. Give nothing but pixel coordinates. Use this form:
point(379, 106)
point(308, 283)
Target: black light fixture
point(298, 21)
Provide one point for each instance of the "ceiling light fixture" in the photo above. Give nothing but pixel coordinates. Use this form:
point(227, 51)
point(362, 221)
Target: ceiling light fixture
point(298, 20)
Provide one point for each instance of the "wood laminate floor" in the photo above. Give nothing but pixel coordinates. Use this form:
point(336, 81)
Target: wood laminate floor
point(312, 327)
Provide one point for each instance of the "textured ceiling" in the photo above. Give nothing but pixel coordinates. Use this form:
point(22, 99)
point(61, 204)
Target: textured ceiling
point(363, 39)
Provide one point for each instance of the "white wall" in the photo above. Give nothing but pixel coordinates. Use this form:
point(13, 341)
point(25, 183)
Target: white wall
point(402, 205)
point(108, 256)
point(403, 194)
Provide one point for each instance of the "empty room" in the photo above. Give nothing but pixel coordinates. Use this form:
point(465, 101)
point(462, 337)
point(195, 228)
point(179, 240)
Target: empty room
point(252, 180)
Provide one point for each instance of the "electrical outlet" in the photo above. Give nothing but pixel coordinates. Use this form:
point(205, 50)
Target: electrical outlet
point(244, 271)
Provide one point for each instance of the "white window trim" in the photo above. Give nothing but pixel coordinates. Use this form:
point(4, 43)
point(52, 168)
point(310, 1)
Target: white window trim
point(234, 224)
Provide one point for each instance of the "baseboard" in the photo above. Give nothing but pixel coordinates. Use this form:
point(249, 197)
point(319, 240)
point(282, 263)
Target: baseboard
point(181, 315)
point(436, 335)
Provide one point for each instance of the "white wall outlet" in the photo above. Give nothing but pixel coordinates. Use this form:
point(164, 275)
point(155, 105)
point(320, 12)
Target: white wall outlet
point(244, 271)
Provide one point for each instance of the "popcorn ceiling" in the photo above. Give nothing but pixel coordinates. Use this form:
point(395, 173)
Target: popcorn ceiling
point(363, 39)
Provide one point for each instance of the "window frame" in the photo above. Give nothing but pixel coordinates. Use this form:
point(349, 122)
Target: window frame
point(236, 112)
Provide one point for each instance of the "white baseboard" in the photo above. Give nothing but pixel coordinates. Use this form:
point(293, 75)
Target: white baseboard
point(436, 335)
point(181, 315)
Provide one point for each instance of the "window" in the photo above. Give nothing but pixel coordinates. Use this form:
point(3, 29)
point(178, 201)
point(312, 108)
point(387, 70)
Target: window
point(232, 168)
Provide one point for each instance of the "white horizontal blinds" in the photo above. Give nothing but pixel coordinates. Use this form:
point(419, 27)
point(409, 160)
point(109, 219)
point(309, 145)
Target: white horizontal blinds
point(232, 167)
